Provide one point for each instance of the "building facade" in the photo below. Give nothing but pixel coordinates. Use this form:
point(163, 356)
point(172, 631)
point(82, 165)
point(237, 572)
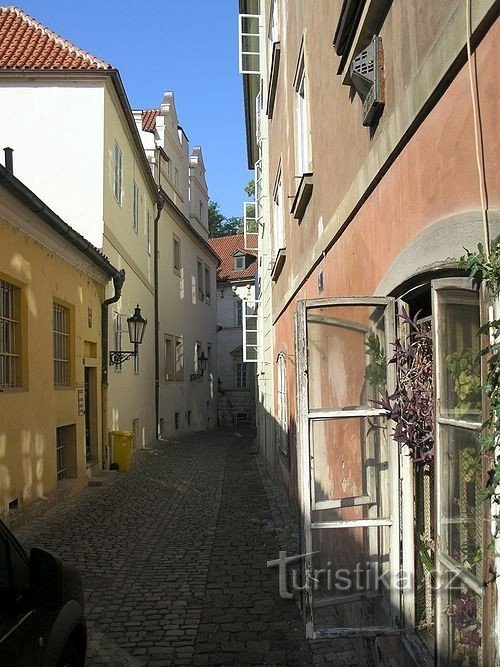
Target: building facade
point(235, 293)
point(52, 288)
point(378, 168)
point(109, 193)
point(187, 398)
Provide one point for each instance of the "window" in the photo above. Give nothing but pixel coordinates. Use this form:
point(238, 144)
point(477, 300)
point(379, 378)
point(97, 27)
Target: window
point(135, 222)
point(119, 329)
point(282, 405)
point(302, 123)
point(169, 169)
point(239, 262)
point(169, 358)
point(176, 420)
point(241, 375)
point(201, 211)
point(249, 44)
point(207, 284)
point(62, 345)
point(60, 447)
point(177, 254)
point(10, 348)
point(201, 291)
point(176, 178)
point(117, 169)
point(250, 331)
point(179, 359)
point(278, 231)
point(239, 312)
point(273, 33)
point(148, 232)
point(174, 358)
point(197, 354)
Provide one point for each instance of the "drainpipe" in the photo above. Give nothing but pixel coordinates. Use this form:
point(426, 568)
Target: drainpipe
point(118, 281)
point(159, 206)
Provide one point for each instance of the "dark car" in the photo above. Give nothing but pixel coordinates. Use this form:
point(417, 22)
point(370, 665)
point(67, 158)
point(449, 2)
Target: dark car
point(42, 618)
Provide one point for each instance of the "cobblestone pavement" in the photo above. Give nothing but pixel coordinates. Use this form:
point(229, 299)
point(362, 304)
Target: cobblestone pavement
point(173, 556)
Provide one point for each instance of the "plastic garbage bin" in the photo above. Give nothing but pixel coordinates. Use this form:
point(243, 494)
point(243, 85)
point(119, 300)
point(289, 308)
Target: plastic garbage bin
point(121, 446)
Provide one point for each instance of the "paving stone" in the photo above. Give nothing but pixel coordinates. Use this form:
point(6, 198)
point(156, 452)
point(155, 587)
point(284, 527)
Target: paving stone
point(173, 556)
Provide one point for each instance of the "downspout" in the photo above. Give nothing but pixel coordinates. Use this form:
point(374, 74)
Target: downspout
point(159, 206)
point(118, 280)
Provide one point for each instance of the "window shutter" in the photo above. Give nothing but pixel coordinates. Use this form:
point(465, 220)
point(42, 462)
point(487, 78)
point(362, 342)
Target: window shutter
point(367, 77)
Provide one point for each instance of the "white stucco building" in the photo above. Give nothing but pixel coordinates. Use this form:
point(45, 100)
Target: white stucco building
point(235, 288)
point(187, 274)
point(66, 115)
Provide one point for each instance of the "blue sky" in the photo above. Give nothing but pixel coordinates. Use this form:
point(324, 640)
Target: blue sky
point(189, 47)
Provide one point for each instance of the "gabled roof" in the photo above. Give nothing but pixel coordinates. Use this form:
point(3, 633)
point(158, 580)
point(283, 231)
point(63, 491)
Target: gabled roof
point(149, 120)
point(26, 44)
point(226, 247)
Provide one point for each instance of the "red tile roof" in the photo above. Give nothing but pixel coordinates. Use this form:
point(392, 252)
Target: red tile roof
point(225, 247)
point(149, 120)
point(26, 44)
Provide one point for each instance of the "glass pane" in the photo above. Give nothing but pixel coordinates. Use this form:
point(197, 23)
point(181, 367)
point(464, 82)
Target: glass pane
point(250, 44)
point(464, 612)
point(350, 467)
point(460, 371)
point(462, 515)
point(250, 25)
point(347, 361)
point(250, 63)
point(350, 581)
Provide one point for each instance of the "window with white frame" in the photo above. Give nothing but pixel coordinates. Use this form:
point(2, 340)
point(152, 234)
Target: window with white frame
point(62, 345)
point(201, 291)
point(249, 43)
point(301, 120)
point(282, 392)
point(250, 331)
point(148, 232)
point(117, 172)
point(135, 209)
point(241, 375)
point(10, 332)
point(174, 358)
point(177, 254)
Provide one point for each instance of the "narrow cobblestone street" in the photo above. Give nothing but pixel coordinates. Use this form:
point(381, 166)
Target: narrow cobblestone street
point(173, 555)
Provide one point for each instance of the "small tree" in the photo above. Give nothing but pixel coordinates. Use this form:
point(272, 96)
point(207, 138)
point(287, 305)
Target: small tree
point(250, 188)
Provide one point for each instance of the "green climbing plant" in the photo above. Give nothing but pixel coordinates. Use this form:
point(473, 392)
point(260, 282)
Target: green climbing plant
point(486, 270)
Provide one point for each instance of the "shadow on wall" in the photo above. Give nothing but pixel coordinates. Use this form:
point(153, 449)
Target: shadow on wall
point(27, 456)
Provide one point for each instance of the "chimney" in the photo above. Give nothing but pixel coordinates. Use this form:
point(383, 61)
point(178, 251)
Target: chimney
point(9, 162)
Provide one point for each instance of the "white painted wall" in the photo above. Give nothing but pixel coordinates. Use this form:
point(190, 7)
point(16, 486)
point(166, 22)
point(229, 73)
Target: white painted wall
point(56, 131)
point(182, 313)
point(63, 135)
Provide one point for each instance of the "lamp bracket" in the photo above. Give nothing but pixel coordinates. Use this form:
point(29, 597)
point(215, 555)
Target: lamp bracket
point(117, 357)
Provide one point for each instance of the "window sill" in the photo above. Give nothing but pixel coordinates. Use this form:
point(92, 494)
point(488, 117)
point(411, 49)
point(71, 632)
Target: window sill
point(302, 196)
point(278, 264)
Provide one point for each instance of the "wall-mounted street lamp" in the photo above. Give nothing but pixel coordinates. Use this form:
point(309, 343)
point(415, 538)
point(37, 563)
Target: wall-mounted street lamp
point(202, 365)
point(136, 328)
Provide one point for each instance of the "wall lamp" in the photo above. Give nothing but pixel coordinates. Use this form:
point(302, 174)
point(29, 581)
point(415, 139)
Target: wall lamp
point(202, 365)
point(136, 328)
